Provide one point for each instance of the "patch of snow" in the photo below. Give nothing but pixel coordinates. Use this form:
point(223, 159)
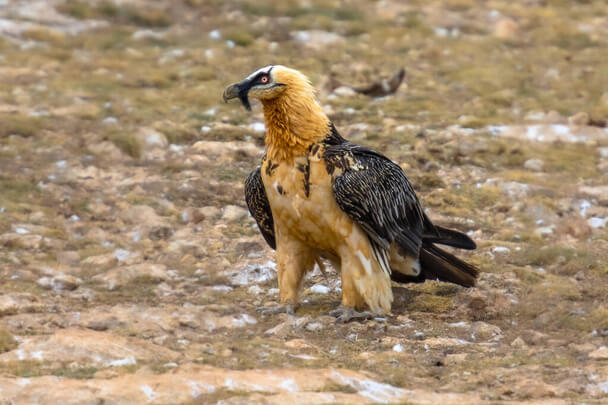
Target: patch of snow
point(500, 249)
point(603, 387)
point(254, 289)
point(461, 324)
point(273, 291)
point(205, 128)
point(230, 44)
point(377, 392)
point(74, 218)
point(122, 362)
point(122, 254)
point(254, 273)
point(61, 164)
point(244, 320)
point(596, 222)
point(21, 231)
point(289, 384)
point(37, 355)
point(171, 364)
point(215, 34)
point(303, 357)
point(150, 393)
point(319, 289)
point(585, 205)
point(258, 127)
point(398, 348)
point(23, 382)
point(222, 288)
point(198, 388)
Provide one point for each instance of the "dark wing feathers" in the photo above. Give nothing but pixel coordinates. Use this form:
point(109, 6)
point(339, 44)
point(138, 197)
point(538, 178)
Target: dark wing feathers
point(259, 207)
point(374, 192)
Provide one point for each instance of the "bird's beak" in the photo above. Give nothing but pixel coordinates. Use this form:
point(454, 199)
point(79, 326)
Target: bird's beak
point(239, 90)
point(231, 92)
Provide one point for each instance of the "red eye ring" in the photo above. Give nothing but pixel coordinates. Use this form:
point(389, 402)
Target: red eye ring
point(264, 79)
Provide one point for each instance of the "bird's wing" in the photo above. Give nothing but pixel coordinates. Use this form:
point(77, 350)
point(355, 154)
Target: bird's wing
point(259, 207)
point(374, 192)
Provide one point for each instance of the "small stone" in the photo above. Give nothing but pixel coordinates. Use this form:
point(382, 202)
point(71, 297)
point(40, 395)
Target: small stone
point(314, 326)
point(535, 165)
point(600, 354)
point(506, 28)
point(233, 213)
point(519, 343)
point(545, 231)
point(596, 222)
point(61, 282)
point(579, 119)
point(319, 289)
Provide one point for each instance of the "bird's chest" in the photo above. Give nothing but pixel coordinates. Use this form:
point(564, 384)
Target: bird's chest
point(301, 198)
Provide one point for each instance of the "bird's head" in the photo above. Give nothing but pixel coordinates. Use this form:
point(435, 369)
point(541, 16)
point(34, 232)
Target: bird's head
point(268, 83)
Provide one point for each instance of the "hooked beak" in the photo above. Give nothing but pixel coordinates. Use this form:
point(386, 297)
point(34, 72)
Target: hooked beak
point(239, 90)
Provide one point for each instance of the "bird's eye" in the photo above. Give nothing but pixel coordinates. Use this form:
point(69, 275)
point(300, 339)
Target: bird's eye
point(264, 79)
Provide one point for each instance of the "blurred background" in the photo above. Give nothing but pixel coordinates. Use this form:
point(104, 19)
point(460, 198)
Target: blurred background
point(121, 191)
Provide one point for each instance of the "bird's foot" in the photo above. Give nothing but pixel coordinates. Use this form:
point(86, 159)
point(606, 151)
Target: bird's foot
point(289, 309)
point(346, 314)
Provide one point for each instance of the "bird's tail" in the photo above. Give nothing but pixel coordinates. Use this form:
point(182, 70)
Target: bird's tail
point(438, 264)
point(449, 237)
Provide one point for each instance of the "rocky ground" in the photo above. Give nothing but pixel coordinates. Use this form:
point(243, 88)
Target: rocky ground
point(131, 273)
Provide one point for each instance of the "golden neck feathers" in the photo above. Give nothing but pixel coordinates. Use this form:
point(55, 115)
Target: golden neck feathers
point(294, 121)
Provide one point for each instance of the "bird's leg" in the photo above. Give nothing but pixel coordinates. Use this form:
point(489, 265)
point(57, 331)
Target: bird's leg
point(347, 314)
point(322, 269)
point(294, 259)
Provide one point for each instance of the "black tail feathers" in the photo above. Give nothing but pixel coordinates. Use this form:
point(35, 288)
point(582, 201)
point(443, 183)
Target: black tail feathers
point(450, 237)
point(441, 265)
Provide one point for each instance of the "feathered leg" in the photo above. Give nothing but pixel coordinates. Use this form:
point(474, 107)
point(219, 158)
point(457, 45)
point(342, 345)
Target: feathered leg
point(294, 259)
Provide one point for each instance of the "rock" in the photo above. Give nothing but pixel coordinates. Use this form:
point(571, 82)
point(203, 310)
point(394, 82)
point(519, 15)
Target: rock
point(107, 150)
point(545, 231)
point(19, 303)
point(225, 150)
point(319, 289)
point(599, 354)
point(88, 348)
point(344, 91)
point(149, 138)
point(599, 192)
point(579, 119)
point(317, 39)
point(485, 331)
point(189, 382)
point(210, 212)
point(142, 215)
point(104, 261)
point(533, 389)
point(23, 241)
point(60, 282)
point(595, 222)
point(121, 276)
point(253, 273)
point(519, 343)
point(535, 165)
point(506, 28)
point(68, 257)
point(232, 213)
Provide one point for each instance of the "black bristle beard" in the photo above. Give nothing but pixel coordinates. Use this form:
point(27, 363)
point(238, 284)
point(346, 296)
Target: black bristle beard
point(245, 100)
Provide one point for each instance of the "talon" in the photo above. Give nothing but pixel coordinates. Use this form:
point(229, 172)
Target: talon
point(289, 309)
point(346, 314)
